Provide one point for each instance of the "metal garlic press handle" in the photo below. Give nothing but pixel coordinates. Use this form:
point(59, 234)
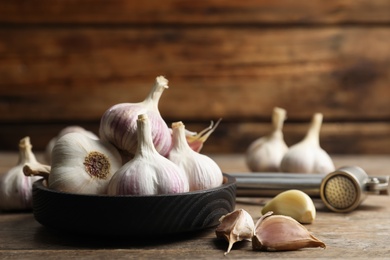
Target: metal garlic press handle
point(341, 191)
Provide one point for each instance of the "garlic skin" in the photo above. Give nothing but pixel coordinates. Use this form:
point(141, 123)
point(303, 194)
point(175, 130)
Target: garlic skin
point(202, 172)
point(235, 226)
point(307, 156)
point(66, 130)
point(292, 203)
point(266, 153)
point(196, 140)
point(118, 124)
point(148, 173)
point(82, 165)
point(282, 233)
point(15, 187)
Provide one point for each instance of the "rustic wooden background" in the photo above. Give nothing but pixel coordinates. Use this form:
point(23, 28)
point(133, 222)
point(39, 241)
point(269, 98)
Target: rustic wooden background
point(65, 62)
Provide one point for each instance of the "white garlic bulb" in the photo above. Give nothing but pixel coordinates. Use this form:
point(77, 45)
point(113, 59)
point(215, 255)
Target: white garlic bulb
point(66, 130)
point(202, 172)
point(15, 187)
point(82, 165)
point(307, 156)
point(118, 124)
point(266, 153)
point(148, 173)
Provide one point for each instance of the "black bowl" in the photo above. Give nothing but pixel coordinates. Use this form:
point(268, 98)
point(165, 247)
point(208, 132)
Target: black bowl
point(133, 215)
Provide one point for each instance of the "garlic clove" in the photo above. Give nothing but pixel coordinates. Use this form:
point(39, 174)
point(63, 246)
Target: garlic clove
point(66, 130)
point(196, 140)
point(148, 173)
point(15, 187)
point(118, 124)
point(202, 172)
point(266, 153)
point(282, 233)
point(307, 156)
point(235, 226)
point(292, 203)
point(82, 165)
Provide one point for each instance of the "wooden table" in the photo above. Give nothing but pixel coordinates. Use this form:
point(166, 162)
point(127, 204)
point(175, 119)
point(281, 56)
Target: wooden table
point(363, 233)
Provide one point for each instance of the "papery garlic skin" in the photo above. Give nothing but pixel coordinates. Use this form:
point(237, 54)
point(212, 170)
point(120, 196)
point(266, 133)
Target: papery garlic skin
point(235, 226)
point(292, 203)
point(307, 156)
point(266, 153)
point(202, 171)
point(282, 233)
point(82, 165)
point(148, 173)
point(15, 187)
point(118, 124)
point(66, 130)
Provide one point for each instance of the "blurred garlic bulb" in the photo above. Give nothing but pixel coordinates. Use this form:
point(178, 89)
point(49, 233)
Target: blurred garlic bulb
point(282, 233)
point(82, 165)
point(235, 226)
point(307, 156)
point(202, 172)
point(266, 153)
point(66, 130)
point(148, 173)
point(118, 124)
point(15, 187)
point(292, 203)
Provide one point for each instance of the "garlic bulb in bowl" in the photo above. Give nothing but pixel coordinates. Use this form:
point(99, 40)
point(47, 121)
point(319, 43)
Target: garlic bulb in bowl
point(82, 165)
point(202, 172)
point(148, 172)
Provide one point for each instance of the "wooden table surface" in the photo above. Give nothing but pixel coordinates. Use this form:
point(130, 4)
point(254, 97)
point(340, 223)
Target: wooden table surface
point(363, 233)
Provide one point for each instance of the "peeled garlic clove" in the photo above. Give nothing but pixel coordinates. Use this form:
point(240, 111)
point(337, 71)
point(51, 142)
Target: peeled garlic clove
point(15, 187)
point(266, 153)
point(82, 165)
point(118, 124)
point(235, 226)
point(282, 233)
point(292, 203)
point(148, 173)
point(202, 172)
point(307, 156)
point(66, 130)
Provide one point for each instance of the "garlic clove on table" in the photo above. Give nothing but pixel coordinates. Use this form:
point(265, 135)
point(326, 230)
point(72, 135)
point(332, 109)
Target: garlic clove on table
point(235, 226)
point(292, 203)
point(266, 153)
point(282, 233)
point(82, 165)
point(202, 172)
point(307, 156)
point(148, 173)
point(118, 124)
point(15, 187)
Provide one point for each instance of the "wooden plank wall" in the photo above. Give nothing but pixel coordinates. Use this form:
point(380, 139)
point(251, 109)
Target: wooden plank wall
point(65, 62)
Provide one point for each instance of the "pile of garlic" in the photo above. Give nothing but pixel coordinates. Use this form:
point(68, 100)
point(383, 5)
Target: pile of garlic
point(271, 154)
point(136, 153)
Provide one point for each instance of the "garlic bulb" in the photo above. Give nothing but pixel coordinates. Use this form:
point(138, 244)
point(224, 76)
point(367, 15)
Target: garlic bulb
point(307, 156)
point(202, 172)
point(148, 173)
point(282, 233)
point(82, 165)
point(118, 124)
point(292, 203)
point(15, 187)
point(235, 226)
point(66, 130)
point(266, 153)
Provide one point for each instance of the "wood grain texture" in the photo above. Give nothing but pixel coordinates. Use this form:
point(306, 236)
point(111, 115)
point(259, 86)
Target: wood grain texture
point(194, 12)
